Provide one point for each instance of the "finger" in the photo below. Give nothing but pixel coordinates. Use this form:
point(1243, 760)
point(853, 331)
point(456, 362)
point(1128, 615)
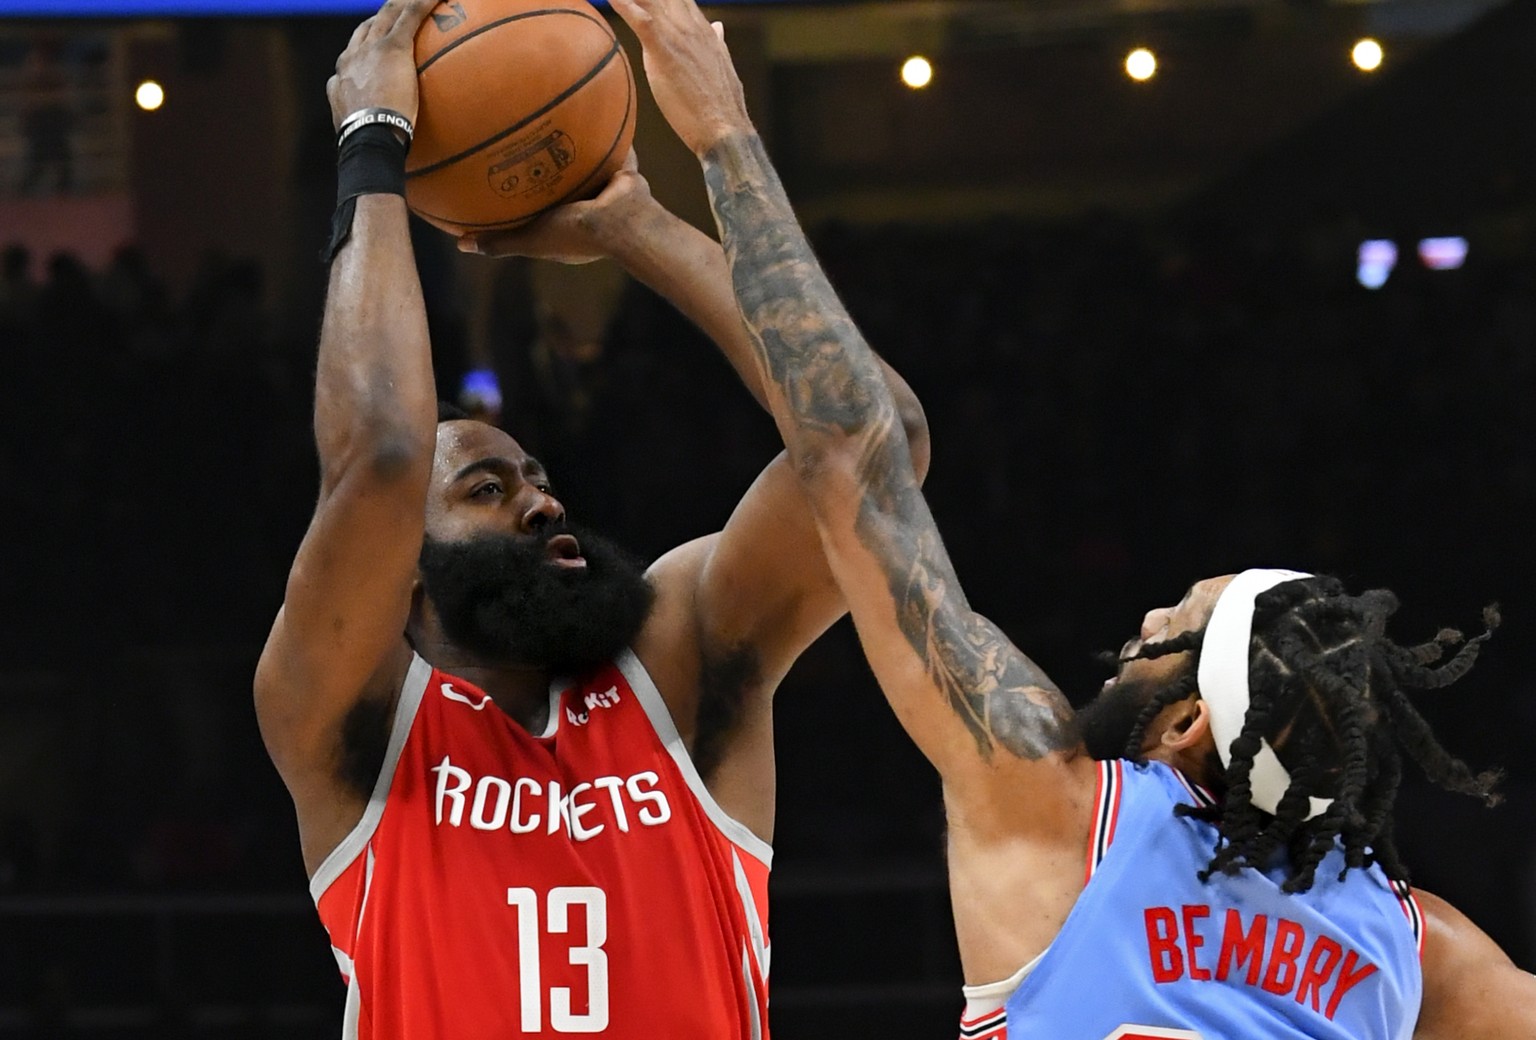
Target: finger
point(358, 34)
point(384, 20)
point(494, 243)
point(412, 14)
point(719, 28)
point(636, 16)
point(631, 162)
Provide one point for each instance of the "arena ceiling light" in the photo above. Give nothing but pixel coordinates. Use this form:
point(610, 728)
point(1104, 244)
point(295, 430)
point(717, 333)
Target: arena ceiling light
point(1448, 253)
point(1141, 64)
point(1377, 259)
point(1367, 55)
point(149, 96)
point(917, 72)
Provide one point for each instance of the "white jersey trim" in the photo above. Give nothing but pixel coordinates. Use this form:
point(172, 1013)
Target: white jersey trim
point(661, 721)
point(991, 997)
point(352, 846)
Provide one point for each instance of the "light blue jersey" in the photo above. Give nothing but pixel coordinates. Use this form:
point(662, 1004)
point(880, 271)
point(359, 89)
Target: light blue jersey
point(1149, 951)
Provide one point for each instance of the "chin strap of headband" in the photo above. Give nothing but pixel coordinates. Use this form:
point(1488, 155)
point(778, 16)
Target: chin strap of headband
point(1223, 679)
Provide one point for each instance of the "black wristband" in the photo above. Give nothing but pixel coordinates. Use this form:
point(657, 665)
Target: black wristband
point(371, 162)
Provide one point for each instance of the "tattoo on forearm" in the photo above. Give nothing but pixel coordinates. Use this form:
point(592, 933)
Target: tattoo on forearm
point(815, 357)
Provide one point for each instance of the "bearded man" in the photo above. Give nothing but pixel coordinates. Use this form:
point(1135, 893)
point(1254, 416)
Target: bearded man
point(534, 782)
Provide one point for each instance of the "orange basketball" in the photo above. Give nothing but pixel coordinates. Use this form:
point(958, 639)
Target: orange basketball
point(525, 104)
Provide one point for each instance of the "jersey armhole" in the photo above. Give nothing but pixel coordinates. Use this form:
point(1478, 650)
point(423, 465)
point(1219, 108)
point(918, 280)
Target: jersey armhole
point(986, 1006)
point(1106, 814)
point(352, 846)
point(738, 833)
point(1411, 910)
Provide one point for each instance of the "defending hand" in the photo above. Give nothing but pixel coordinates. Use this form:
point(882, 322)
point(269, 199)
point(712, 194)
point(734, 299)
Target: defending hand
point(378, 68)
point(689, 69)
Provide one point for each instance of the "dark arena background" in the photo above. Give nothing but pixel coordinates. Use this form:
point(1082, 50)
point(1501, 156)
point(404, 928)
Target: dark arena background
point(1265, 307)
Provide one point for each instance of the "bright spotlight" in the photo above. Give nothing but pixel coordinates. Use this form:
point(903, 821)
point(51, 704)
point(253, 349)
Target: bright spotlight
point(917, 72)
point(1141, 64)
point(1443, 254)
point(150, 95)
point(1377, 258)
point(1367, 55)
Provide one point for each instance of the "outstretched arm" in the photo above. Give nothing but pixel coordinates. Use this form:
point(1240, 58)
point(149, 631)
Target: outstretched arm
point(770, 545)
point(976, 706)
point(1472, 990)
point(338, 639)
point(678, 262)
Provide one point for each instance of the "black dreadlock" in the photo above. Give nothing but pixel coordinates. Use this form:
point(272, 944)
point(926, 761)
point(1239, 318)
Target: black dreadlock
point(1323, 672)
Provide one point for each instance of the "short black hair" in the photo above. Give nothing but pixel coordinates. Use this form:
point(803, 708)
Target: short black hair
point(1322, 667)
point(447, 411)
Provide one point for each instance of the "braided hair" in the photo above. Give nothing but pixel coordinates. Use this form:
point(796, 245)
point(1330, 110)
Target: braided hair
point(1323, 674)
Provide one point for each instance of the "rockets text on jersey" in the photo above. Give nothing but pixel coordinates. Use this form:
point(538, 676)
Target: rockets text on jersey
point(577, 881)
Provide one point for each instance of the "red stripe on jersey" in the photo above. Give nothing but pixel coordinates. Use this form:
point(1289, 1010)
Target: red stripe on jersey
point(993, 1025)
point(1114, 808)
point(1412, 911)
point(1094, 831)
point(1106, 814)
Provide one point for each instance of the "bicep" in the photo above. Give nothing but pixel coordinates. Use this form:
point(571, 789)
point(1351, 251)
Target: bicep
point(764, 582)
point(1472, 990)
point(340, 631)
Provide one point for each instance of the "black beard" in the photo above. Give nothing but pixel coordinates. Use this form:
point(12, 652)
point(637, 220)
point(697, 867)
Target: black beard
point(1107, 722)
point(499, 597)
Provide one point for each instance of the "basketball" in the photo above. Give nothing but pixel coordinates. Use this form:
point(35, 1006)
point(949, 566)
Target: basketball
point(525, 105)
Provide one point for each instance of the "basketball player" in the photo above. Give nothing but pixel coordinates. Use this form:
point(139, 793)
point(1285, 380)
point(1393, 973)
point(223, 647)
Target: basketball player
point(1233, 875)
point(534, 784)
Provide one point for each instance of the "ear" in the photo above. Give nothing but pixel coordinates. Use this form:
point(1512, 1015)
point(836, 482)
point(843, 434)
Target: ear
point(1188, 725)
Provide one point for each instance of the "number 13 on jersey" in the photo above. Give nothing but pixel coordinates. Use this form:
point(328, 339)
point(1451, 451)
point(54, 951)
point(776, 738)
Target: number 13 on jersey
point(557, 921)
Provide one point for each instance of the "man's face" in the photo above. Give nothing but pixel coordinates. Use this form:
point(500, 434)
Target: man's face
point(1109, 719)
point(510, 580)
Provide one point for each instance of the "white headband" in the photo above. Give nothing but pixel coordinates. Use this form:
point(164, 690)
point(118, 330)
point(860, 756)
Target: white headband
point(1223, 679)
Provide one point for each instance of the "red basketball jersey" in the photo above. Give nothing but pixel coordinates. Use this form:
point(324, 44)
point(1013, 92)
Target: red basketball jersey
point(581, 880)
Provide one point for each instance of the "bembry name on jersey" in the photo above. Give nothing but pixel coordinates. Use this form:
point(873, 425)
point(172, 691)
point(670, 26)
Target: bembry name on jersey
point(1277, 956)
point(525, 805)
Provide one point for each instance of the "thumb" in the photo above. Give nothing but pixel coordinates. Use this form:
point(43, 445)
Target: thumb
point(492, 243)
point(719, 28)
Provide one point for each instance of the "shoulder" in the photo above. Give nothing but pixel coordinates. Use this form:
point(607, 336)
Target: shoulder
point(1472, 990)
point(669, 644)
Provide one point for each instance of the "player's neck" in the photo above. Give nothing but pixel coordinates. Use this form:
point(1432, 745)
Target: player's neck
point(520, 691)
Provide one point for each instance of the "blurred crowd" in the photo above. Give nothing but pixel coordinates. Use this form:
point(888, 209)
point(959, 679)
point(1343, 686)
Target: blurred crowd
point(1117, 409)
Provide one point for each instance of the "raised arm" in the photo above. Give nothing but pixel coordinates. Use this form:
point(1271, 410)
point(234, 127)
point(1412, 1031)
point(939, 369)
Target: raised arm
point(763, 584)
point(678, 262)
point(978, 708)
point(338, 639)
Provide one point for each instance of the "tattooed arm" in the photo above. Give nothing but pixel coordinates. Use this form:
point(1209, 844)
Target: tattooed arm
point(963, 691)
point(975, 705)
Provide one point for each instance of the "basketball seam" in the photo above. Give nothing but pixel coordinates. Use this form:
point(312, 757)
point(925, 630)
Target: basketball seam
point(515, 127)
point(629, 107)
point(503, 21)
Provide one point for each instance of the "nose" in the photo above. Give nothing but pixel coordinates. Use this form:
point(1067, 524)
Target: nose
point(1155, 621)
point(542, 511)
